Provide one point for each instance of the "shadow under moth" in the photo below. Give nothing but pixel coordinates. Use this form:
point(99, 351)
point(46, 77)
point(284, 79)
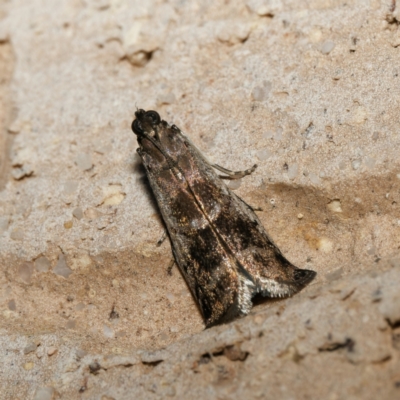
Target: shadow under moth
point(219, 244)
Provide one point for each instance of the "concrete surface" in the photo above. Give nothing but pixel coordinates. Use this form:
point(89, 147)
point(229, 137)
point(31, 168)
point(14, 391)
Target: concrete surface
point(308, 90)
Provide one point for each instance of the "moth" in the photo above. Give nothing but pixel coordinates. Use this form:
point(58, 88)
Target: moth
point(219, 244)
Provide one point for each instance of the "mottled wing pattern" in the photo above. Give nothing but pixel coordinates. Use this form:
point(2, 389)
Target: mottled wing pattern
point(223, 251)
point(242, 232)
point(208, 266)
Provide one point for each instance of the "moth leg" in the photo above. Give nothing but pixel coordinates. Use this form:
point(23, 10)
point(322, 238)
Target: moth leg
point(170, 266)
point(234, 174)
point(162, 238)
point(254, 209)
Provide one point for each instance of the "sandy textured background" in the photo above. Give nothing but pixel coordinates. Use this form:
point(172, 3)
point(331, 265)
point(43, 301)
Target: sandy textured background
point(308, 90)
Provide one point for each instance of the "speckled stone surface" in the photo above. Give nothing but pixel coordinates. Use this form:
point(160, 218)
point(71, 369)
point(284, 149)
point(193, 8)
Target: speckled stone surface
point(307, 90)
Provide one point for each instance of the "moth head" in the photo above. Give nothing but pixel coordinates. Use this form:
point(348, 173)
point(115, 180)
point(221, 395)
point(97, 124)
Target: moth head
point(145, 123)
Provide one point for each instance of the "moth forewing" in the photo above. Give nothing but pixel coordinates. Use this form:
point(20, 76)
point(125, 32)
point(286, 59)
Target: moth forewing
point(221, 247)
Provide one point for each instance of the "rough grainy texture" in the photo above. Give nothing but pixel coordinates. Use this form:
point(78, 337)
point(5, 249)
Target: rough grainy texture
point(307, 89)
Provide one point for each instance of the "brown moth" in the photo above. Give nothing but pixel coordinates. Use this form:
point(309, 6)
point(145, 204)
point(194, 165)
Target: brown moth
point(219, 244)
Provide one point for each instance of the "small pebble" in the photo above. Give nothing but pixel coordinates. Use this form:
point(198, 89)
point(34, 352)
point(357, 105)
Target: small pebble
point(261, 93)
point(40, 352)
point(314, 178)
point(356, 164)
point(71, 324)
point(68, 224)
point(342, 165)
point(42, 264)
point(44, 393)
point(389, 305)
point(71, 366)
point(300, 216)
point(293, 171)
point(28, 366)
point(25, 272)
point(17, 234)
point(30, 348)
point(11, 305)
point(115, 283)
point(327, 47)
point(170, 297)
point(395, 262)
point(167, 98)
point(70, 187)
point(62, 268)
point(263, 154)
point(268, 135)
point(333, 275)
point(234, 184)
point(335, 206)
point(79, 306)
point(370, 162)
point(108, 332)
point(24, 171)
point(78, 213)
point(80, 353)
point(278, 134)
point(84, 161)
point(113, 195)
point(4, 221)
point(51, 351)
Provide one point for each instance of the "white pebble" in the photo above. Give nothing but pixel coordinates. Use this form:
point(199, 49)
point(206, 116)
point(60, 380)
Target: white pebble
point(263, 154)
point(335, 206)
point(167, 98)
point(4, 221)
point(293, 171)
point(356, 164)
point(80, 306)
point(342, 165)
point(170, 297)
point(108, 332)
point(84, 161)
point(70, 187)
point(44, 393)
point(278, 134)
point(314, 178)
point(370, 162)
point(17, 234)
point(261, 93)
point(327, 47)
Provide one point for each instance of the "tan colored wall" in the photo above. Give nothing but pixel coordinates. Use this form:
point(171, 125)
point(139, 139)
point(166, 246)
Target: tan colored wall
point(308, 90)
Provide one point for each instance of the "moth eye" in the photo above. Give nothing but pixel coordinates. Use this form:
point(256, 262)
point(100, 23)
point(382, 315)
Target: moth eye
point(153, 116)
point(137, 127)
